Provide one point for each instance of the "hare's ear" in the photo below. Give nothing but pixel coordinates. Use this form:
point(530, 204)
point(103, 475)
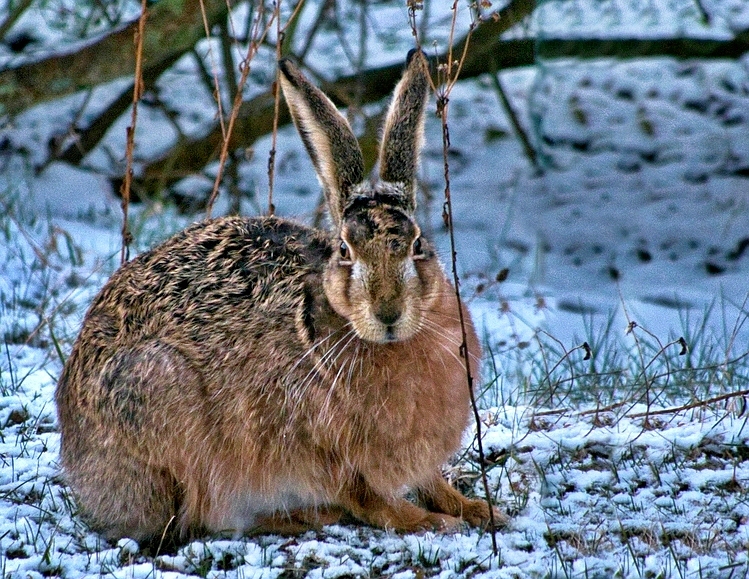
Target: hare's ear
point(403, 134)
point(327, 136)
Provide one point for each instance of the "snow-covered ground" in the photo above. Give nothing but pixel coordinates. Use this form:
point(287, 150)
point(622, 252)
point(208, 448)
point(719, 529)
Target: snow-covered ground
point(639, 223)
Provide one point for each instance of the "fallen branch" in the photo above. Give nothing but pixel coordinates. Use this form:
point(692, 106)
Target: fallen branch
point(671, 410)
point(172, 32)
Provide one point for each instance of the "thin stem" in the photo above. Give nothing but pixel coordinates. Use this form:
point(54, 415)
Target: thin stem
point(520, 133)
point(282, 41)
point(276, 109)
point(214, 70)
point(691, 405)
point(257, 39)
point(442, 108)
point(137, 93)
point(442, 103)
point(13, 16)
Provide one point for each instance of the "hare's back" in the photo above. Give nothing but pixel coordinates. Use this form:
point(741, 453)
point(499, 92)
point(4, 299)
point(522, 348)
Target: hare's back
point(201, 277)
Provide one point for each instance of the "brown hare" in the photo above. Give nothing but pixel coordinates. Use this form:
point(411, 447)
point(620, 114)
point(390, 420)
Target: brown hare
point(258, 375)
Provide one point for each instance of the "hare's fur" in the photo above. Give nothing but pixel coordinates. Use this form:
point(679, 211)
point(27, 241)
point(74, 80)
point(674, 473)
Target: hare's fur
point(259, 375)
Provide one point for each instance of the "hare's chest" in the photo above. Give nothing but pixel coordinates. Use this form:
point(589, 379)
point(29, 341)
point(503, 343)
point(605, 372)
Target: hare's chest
point(407, 435)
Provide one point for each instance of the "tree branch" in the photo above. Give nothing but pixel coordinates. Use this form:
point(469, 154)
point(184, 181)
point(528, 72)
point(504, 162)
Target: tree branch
point(91, 135)
point(174, 28)
point(628, 48)
point(255, 117)
point(15, 13)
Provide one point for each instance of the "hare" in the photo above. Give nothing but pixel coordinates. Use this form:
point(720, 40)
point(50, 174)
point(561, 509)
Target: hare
point(258, 375)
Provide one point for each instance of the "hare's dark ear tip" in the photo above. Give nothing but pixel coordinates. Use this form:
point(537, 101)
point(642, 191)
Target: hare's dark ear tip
point(411, 53)
point(287, 68)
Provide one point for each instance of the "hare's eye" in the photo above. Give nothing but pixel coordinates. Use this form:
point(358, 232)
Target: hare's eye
point(416, 248)
point(344, 251)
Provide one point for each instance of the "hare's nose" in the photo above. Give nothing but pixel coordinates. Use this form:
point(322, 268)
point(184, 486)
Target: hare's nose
point(388, 313)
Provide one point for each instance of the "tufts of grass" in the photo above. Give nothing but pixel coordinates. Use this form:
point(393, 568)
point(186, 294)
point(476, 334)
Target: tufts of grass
point(618, 367)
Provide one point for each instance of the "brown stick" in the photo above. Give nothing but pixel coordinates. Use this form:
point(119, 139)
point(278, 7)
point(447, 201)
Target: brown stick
point(280, 44)
point(449, 73)
point(256, 39)
point(137, 93)
point(691, 405)
point(520, 133)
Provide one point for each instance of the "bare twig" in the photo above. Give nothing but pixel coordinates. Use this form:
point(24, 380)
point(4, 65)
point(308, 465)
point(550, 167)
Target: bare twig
point(737, 327)
point(276, 109)
point(448, 75)
point(520, 133)
point(567, 356)
point(137, 93)
point(631, 325)
point(671, 410)
point(691, 405)
point(86, 139)
point(214, 71)
point(15, 13)
point(704, 14)
point(281, 43)
point(442, 102)
point(227, 40)
point(314, 28)
point(258, 35)
point(688, 406)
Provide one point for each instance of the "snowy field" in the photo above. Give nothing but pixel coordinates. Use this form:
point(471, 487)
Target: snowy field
point(635, 235)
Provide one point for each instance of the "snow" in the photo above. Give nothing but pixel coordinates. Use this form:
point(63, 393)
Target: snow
point(644, 174)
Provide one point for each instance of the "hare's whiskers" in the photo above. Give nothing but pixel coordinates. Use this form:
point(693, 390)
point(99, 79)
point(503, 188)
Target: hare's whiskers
point(328, 359)
point(309, 352)
point(326, 405)
point(445, 347)
point(440, 332)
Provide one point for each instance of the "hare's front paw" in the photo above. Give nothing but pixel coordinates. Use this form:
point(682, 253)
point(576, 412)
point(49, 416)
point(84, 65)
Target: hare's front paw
point(442, 522)
point(476, 513)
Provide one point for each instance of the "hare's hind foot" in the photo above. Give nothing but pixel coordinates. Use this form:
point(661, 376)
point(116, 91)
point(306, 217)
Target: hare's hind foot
point(440, 497)
point(138, 503)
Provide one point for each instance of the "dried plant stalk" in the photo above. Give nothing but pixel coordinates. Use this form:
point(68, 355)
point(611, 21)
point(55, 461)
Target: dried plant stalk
point(447, 76)
point(137, 93)
point(257, 37)
point(281, 41)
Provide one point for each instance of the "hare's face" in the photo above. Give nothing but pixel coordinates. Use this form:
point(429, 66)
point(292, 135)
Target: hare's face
point(383, 275)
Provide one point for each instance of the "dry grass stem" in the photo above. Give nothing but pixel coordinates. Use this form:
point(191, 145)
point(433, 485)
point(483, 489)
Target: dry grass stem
point(130, 147)
point(447, 76)
point(214, 70)
point(257, 36)
point(281, 41)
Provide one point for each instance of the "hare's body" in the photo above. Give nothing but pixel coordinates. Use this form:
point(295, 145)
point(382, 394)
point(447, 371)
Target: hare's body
point(259, 374)
point(297, 407)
